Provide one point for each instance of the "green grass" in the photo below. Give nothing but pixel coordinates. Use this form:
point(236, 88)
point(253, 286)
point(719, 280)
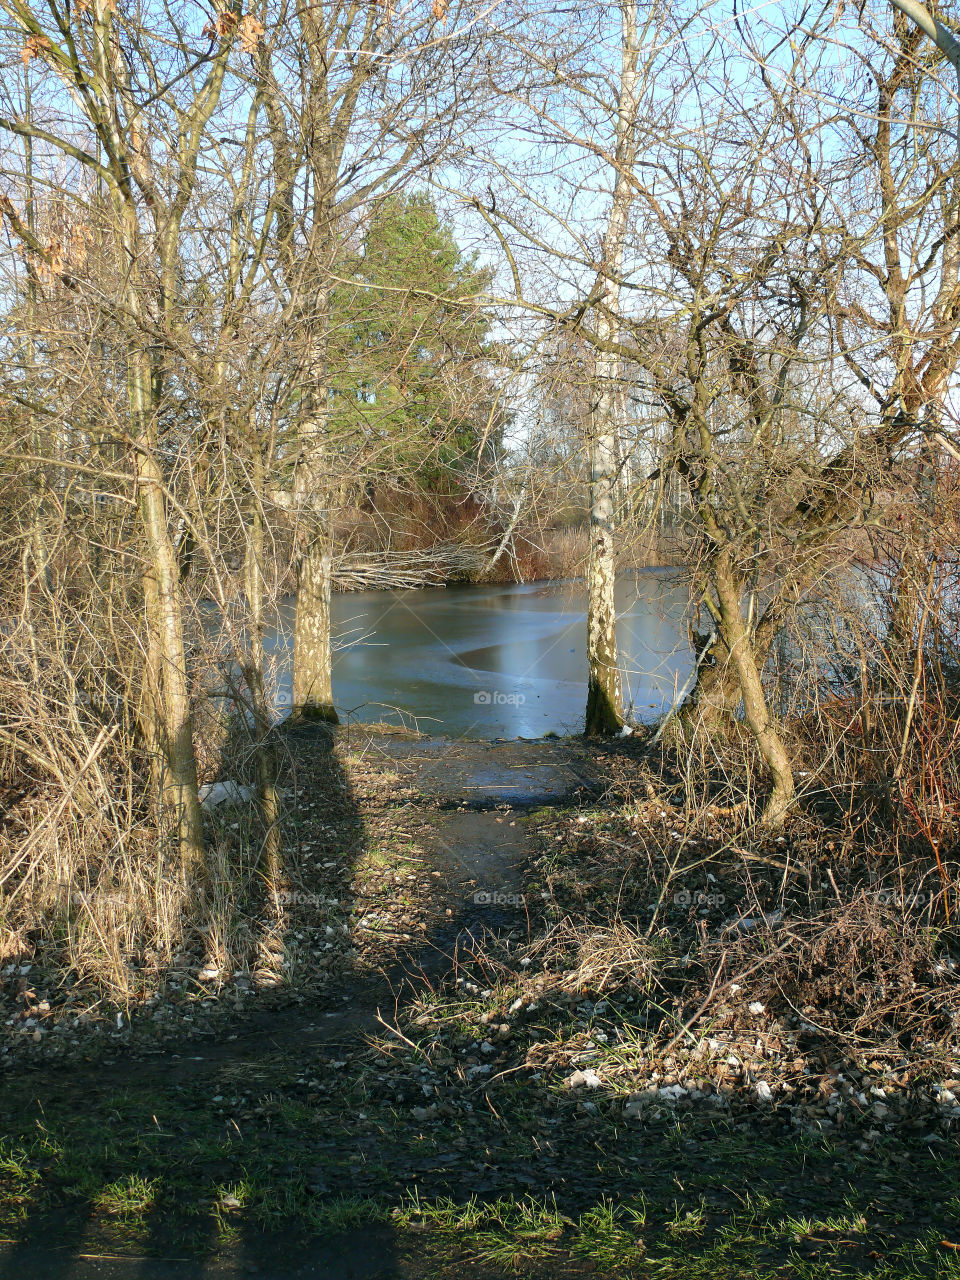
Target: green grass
point(129, 1199)
point(623, 1239)
point(199, 1166)
point(663, 1232)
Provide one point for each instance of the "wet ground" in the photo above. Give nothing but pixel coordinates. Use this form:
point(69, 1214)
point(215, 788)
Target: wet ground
point(481, 775)
point(253, 1147)
point(476, 847)
point(367, 1254)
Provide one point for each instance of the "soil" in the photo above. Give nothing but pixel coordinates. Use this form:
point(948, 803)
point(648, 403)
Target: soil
point(391, 1066)
point(472, 840)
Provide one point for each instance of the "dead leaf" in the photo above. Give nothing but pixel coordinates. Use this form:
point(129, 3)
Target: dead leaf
point(250, 30)
point(440, 10)
point(226, 22)
point(35, 46)
point(222, 26)
point(50, 266)
point(81, 237)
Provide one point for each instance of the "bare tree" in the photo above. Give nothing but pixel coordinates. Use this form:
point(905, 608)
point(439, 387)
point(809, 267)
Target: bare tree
point(357, 99)
point(113, 88)
point(604, 713)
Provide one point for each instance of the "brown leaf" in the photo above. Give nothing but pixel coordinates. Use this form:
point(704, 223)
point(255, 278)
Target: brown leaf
point(250, 30)
point(81, 236)
point(35, 46)
point(440, 10)
point(226, 22)
point(51, 264)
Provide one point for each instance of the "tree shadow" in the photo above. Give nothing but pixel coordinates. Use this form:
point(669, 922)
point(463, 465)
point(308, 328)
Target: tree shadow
point(285, 1136)
point(198, 1097)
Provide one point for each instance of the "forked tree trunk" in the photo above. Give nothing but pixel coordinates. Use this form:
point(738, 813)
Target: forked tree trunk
point(716, 695)
point(712, 702)
point(508, 532)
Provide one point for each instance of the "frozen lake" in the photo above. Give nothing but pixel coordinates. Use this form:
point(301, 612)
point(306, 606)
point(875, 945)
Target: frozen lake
point(493, 661)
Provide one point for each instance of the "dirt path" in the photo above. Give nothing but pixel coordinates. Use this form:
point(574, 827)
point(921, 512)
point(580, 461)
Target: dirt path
point(476, 850)
point(483, 774)
point(475, 846)
point(292, 1139)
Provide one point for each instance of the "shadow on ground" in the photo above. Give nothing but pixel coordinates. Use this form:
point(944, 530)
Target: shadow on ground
point(320, 1139)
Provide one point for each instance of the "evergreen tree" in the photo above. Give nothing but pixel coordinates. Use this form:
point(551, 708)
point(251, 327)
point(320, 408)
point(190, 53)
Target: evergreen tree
point(413, 394)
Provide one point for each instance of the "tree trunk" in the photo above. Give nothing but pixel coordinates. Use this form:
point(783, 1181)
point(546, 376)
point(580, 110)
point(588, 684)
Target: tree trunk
point(36, 560)
point(312, 680)
point(270, 860)
point(604, 714)
point(150, 715)
point(179, 766)
point(712, 702)
point(171, 722)
point(508, 531)
point(743, 659)
point(312, 656)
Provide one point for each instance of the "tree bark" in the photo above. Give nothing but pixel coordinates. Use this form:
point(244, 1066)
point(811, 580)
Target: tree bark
point(312, 662)
point(312, 653)
point(270, 859)
point(172, 721)
point(738, 641)
point(604, 712)
point(713, 701)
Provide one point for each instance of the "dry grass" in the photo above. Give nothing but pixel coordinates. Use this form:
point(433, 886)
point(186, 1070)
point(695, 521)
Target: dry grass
point(82, 868)
point(88, 876)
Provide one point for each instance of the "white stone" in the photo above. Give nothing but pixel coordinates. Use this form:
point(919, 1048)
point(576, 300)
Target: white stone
point(584, 1079)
